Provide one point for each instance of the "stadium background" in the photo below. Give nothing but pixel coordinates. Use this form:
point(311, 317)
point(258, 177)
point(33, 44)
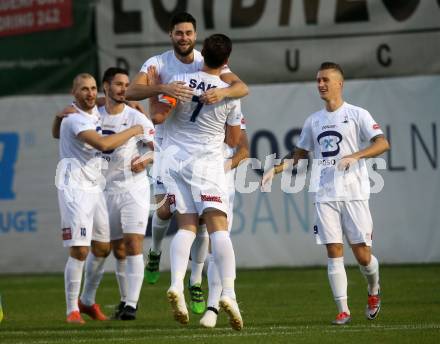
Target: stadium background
point(388, 49)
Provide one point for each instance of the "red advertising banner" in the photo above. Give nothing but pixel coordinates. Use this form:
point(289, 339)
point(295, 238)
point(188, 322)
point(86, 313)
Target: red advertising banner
point(26, 16)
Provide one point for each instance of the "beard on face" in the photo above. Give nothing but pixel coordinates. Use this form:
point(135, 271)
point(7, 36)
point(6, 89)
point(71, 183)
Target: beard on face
point(87, 104)
point(117, 98)
point(179, 50)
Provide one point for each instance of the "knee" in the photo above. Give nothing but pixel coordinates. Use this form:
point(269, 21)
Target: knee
point(364, 259)
point(164, 212)
point(119, 252)
point(79, 252)
point(133, 246)
point(101, 249)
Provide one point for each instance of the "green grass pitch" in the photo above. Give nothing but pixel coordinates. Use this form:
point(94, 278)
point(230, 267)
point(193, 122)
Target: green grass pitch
point(278, 306)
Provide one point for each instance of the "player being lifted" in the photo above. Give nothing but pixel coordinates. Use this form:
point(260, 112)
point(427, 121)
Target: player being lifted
point(336, 135)
point(195, 177)
point(183, 58)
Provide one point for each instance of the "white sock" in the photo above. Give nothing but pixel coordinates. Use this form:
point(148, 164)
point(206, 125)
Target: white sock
point(159, 229)
point(371, 273)
point(121, 277)
point(338, 282)
point(72, 283)
point(214, 284)
point(94, 271)
point(199, 251)
point(224, 258)
point(179, 256)
point(135, 277)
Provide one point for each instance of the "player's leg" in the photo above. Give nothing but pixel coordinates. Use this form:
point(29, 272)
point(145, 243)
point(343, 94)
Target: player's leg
point(134, 218)
point(179, 255)
point(199, 252)
point(224, 258)
point(118, 247)
point(134, 273)
point(159, 226)
point(119, 253)
point(75, 209)
point(94, 269)
point(359, 227)
point(328, 231)
point(209, 319)
point(72, 281)
point(337, 277)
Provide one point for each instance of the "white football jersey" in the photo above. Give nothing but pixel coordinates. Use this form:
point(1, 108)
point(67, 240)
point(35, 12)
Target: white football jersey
point(168, 65)
point(198, 130)
point(118, 174)
point(81, 163)
point(332, 136)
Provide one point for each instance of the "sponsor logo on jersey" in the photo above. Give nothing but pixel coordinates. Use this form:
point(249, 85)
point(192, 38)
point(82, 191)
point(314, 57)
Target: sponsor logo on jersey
point(67, 234)
point(376, 126)
point(171, 199)
point(328, 126)
point(211, 198)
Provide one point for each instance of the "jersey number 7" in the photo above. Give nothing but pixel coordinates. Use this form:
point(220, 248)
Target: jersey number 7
point(197, 109)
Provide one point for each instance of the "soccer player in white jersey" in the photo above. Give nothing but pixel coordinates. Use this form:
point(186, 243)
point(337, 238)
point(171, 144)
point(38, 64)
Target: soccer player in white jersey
point(195, 177)
point(183, 58)
point(127, 190)
point(81, 200)
point(233, 157)
point(336, 135)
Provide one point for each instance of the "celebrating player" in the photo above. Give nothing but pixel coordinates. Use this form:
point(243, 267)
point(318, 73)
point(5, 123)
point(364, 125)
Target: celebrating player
point(335, 135)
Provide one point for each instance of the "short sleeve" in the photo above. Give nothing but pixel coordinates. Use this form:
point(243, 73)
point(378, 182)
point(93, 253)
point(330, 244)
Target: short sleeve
point(152, 61)
point(369, 128)
point(306, 138)
point(147, 125)
point(79, 123)
point(234, 113)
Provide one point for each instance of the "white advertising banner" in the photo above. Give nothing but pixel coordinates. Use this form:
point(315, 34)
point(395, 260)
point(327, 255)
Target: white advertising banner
point(270, 229)
point(283, 41)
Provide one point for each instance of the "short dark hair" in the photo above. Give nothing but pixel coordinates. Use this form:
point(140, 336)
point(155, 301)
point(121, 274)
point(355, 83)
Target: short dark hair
point(216, 50)
point(331, 65)
point(110, 73)
point(182, 17)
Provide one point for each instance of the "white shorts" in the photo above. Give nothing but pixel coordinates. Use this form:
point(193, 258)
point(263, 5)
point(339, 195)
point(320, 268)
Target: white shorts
point(230, 182)
point(196, 186)
point(84, 217)
point(128, 212)
point(158, 185)
point(335, 219)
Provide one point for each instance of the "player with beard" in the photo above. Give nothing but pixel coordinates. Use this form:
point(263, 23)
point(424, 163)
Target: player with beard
point(127, 190)
point(183, 58)
point(84, 217)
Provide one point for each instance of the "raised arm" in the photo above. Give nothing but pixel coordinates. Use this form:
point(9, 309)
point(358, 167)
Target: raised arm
point(104, 143)
point(140, 88)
